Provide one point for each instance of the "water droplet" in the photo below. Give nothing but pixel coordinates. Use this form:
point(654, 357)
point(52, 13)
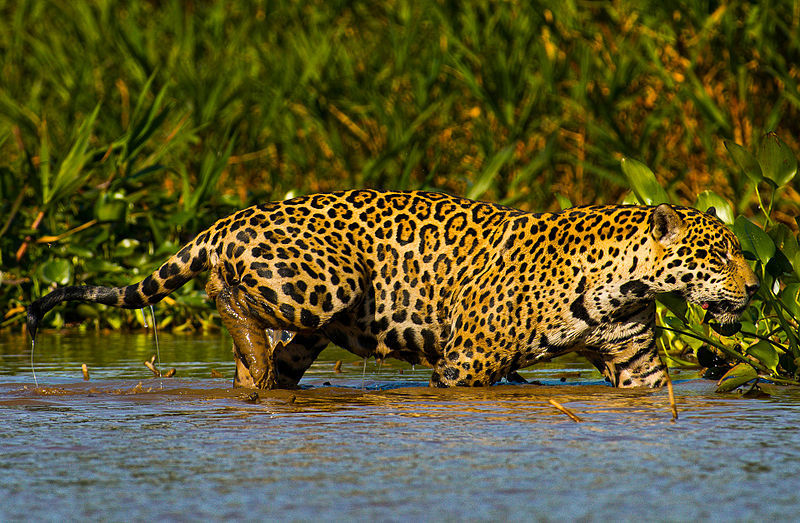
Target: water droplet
point(33, 368)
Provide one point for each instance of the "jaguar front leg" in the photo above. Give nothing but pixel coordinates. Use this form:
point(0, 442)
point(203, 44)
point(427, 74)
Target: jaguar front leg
point(631, 362)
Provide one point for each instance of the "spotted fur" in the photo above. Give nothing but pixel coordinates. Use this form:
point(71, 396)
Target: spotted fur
point(474, 290)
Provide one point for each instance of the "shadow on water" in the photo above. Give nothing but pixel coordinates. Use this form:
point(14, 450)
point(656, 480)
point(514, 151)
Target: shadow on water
point(125, 445)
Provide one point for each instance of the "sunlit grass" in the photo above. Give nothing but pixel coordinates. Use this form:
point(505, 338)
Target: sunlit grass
point(186, 111)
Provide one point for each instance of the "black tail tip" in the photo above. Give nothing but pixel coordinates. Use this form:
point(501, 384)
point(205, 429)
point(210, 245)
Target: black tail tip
point(34, 316)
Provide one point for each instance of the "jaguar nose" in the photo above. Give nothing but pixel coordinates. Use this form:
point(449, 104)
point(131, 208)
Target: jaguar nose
point(752, 289)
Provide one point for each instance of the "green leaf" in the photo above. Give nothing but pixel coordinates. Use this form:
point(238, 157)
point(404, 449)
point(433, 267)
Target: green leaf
point(779, 265)
point(125, 247)
point(643, 182)
point(87, 311)
point(95, 266)
point(754, 239)
point(777, 161)
point(736, 377)
point(71, 174)
point(110, 207)
point(493, 166)
point(630, 199)
point(723, 209)
point(726, 329)
point(563, 201)
point(58, 271)
point(786, 242)
point(766, 353)
point(675, 304)
point(745, 160)
point(675, 323)
point(790, 296)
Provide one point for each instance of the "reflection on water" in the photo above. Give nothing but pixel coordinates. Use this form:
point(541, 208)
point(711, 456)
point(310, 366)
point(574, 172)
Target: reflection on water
point(125, 445)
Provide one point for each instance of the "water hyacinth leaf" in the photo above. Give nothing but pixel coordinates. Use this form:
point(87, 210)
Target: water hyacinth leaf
point(736, 377)
point(785, 240)
point(766, 353)
point(777, 161)
point(58, 271)
point(754, 239)
point(745, 160)
point(675, 304)
point(726, 329)
point(643, 182)
point(722, 208)
point(790, 297)
point(779, 265)
point(674, 323)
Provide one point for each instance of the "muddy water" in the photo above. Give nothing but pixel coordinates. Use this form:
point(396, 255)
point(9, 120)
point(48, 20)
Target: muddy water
point(127, 446)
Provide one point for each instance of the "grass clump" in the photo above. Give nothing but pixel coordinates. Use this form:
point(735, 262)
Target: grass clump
point(125, 127)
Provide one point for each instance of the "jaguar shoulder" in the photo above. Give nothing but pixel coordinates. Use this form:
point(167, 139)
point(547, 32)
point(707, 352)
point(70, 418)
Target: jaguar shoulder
point(472, 289)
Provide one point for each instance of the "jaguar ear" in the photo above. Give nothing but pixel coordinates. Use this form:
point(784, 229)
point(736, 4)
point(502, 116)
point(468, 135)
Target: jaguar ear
point(711, 211)
point(665, 224)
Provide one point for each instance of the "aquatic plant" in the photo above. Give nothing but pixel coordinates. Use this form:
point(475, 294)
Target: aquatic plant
point(767, 340)
point(125, 127)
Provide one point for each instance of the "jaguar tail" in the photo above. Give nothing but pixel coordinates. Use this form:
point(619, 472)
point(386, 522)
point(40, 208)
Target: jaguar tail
point(190, 261)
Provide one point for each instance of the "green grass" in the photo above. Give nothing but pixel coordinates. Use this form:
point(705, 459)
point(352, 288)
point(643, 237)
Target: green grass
point(142, 122)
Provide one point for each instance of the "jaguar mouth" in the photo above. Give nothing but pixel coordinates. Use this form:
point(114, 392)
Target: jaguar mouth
point(726, 313)
point(723, 309)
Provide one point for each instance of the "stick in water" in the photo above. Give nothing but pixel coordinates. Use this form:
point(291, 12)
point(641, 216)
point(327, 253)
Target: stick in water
point(565, 410)
point(672, 405)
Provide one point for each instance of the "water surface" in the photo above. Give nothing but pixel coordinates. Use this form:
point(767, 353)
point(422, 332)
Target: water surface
point(381, 445)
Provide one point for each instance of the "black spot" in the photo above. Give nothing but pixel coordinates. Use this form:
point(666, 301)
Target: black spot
point(392, 341)
point(429, 344)
point(133, 297)
point(168, 269)
point(268, 294)
point(410, 339)
point(199, 262)
point(175, 282)
point(287, 311)
point(309, 319)
point(635, 287)
point(150, 286)
point(185, 254)
point(578, 309)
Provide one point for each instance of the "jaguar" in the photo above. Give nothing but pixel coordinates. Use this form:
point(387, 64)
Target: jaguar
point(472, 289)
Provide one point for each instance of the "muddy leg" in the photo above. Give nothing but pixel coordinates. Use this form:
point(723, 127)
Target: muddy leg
point(293, 359)
point(253, 353)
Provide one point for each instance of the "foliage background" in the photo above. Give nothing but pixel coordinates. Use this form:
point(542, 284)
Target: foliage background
point(126, 127)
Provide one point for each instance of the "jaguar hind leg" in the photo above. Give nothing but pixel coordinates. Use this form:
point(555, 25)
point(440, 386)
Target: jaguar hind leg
point(254, 357)
point(292, 359)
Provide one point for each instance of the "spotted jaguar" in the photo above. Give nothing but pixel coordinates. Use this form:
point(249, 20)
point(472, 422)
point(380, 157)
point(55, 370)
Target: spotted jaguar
point(474, 290)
